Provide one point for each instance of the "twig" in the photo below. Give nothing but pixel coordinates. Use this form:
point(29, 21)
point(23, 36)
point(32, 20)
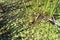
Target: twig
point(54, 21)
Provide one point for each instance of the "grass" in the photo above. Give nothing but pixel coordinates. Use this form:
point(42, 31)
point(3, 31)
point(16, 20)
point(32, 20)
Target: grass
point(19, 22)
